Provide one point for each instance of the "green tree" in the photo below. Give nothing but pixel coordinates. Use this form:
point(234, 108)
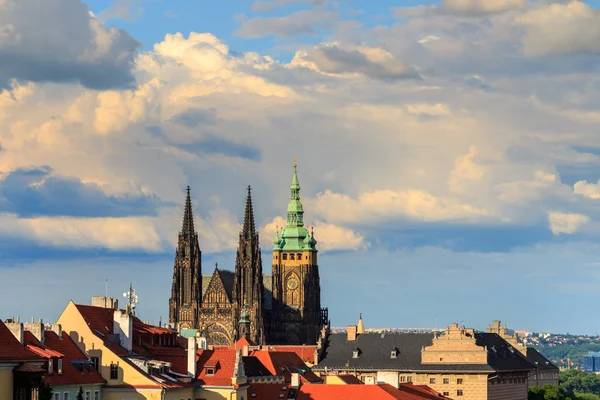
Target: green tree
point(46, 392)
point(79, 394)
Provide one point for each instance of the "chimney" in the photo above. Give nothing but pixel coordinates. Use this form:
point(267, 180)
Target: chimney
point(351, 331)
point(239, 374)
point(191, 356)
point(16, 328)
point(316, 356)
point(295, 380)
point(245, 350)
point(123, 326)
point(37, 329)
point(57, 328)
point(202, 343)
point(105, 302)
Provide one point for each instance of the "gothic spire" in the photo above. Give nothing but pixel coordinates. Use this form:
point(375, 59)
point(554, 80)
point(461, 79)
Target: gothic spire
point(249, 228)
point(187, 227)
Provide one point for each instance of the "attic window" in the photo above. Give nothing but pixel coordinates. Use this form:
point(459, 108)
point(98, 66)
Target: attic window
point(355, 354)
point(60, 366)
point(210, 371)
point(393, 353)
point(50, 366)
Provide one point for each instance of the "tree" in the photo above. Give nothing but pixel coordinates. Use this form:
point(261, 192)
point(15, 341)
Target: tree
point(46, 392)
point(79, 394)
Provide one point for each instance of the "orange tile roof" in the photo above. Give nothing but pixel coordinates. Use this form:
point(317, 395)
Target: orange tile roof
point(241, 343)
point(285, 363)
point(11, 350)
point(99, 319)
point(360, 392)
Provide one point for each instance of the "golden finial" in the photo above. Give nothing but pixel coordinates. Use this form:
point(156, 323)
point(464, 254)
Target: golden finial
point(295, 165)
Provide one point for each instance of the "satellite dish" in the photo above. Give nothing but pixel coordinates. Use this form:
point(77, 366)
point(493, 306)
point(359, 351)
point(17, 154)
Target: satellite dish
point(124, 294)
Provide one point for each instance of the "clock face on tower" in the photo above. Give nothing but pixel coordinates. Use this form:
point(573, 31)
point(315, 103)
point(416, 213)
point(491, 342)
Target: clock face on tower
point(292, 283)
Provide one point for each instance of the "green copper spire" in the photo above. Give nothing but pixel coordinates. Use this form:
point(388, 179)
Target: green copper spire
point(293, 237)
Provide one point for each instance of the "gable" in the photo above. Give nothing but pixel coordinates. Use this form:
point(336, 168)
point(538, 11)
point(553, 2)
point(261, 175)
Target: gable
point(216, 291)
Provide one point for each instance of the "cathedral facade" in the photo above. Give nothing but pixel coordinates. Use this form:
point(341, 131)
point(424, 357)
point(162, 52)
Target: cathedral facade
point(282, 308)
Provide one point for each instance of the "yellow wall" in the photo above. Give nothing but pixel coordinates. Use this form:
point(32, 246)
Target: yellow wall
point(222, 394)
point(73, 323)
point(474, 386)
point(6, 383)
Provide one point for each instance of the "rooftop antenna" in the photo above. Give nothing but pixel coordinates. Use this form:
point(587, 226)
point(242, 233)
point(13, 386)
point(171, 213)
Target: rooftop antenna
point(106, 289)
point(132, 300)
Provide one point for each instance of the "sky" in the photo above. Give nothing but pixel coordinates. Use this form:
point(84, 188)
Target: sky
point(447, 151)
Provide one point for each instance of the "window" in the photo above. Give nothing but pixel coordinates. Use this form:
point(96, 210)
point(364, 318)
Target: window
point(114, 371)
point(96, 362)
point(88, 395)
point(355, 354)
point(210, 371)
point(446, 381)
point(459, 392)
point(393, 353)
point(446, 394)
point(50, 366)
point(402, 379)
point(56, 396)
point(299, 256)
point(60, 366)
point(459, 381)
point(66, 396)
point(284, 256)
point(96, 395)
point(431, 380)
point(292, 256)
point(409, 379)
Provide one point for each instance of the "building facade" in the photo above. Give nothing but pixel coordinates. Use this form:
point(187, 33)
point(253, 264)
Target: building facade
point(283, 308)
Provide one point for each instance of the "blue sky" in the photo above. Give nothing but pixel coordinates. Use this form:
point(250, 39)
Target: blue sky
point(448, 151)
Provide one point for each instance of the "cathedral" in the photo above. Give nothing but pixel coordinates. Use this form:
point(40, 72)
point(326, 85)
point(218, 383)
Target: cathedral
point(281, 308)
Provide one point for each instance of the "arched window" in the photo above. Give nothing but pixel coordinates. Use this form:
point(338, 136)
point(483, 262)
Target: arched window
point(291, 256)
point(299, 256)
point(284, 256)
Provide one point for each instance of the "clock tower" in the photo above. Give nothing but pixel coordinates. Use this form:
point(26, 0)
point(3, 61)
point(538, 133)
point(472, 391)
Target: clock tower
point(296, 285)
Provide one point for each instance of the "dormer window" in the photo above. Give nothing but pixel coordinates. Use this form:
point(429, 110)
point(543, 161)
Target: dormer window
point(60, 366)
point(50, 366)
point(394, 353)
point(356, 353)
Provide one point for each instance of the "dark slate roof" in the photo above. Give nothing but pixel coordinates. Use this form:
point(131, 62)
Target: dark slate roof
point(253, 367)
point(268, 292)
point(539, 361)
point(375, 353)
point(227, 279)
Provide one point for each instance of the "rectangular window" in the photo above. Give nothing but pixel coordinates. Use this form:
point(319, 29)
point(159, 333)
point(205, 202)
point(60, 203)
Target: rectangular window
point(88, 395)
point(402, 379)
point(284, 256)
point(114, 371)
point(50, 366)
point(66, 396)
point(96, 395)
point(56, 396)
point(446, 381)
point(431, 380)
point(409, 379)
point(95, 362)
point(459, 381)
point(459, 392)
point(60, 366)
point(446, 394)
point(210, 371)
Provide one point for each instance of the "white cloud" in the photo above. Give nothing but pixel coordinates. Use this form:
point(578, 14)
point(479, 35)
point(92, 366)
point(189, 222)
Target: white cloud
point(305, 22)
point(328, 236)
point(589, 190)
point(466, 172)
point(560, 28)
point(479, 7)
point(567, 223)
point(381, 205)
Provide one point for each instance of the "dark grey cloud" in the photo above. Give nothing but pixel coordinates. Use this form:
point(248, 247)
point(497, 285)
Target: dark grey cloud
point(193, 117)
point(58, 41)
point(217, 145)
point(306, 22)
point(335, 60)
point(37, 192)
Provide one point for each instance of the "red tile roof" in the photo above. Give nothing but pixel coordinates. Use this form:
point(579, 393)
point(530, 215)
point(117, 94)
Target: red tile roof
point(223, 360)
point(268, 391)
point(306, 353)
point(11, 350)
point(99, 319)
point(241, 343)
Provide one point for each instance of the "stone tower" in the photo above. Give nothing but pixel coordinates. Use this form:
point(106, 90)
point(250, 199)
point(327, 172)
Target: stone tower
point(186, 291)
point(248, 279)
point(296, 284)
